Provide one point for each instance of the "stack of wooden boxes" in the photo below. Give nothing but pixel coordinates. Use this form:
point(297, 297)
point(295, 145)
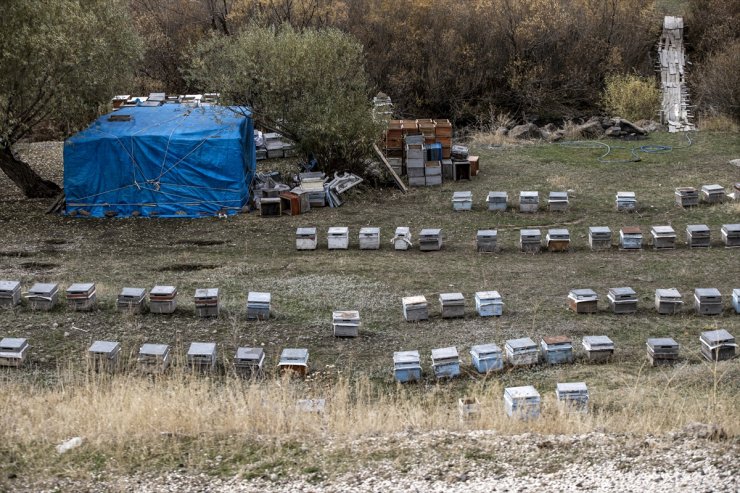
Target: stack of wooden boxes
point(445, 362)
point(712, 194)
point(622, 300)
point(662, 351)
point(43, 296)
point(415, 308)
point(598, 348)
point(668, 301)
point(717, 345)
point(522, 402)
point(201, 356)
point(103, 355)
point(163, 299)
point(443, 135)
point(707, 301)
point(626, 201)
point(452, 305)
point(485, 240)
point(600, 238)
point(630, 238)
point(10, 293)
point(664, 237)
point(249, 361)
point(206, 302)
point(558, 201)
point(731, 235)
point(583, 300)
point(530, 240)
point(529, 201)
point(497, 201)
point(521, 352)
point(572, 396)
point(13, 351)
point(131, 300)
point(432, 164)
point(687, 196)
point(154, 358)
point(557, 350)
point(415, 157)
point(346, 323)
point(698, 236)
point(406, 366)
point(487, 357)
point(558, 240)
point(258, 305)
point(430, 240)
point(489, 303)
point(81, 296)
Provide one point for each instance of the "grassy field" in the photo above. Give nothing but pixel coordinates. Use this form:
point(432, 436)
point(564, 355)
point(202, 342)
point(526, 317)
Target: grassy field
point(250, 253)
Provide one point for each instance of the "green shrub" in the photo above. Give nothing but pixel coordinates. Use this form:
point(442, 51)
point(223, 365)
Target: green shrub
point(632, 97)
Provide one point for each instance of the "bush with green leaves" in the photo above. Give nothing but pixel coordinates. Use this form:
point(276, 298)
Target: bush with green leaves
point(631, 97)
point(309, 85)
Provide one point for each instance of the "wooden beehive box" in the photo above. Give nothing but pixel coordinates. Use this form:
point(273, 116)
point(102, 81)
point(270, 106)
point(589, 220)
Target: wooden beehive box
point(530, 240)
point(13, 351)
point(369, 238)
point(522, 402)
point(406, 366)
point(206, 302)
point(346, 323)
point(557, 350)
point(430, 240)
point(81, 296)
point(712, 194)
point(687, 196)
point(154, 358)
point(717, 345)
point(668, 301)
point(338, 238)
point(572, 396)
point(487, 358)
point(163, 299)
point(452, 305)
point(131, 300)
point(10, 293)
point(707, 301)
point(271, 207)
point(622, 300)
point(402, 238)
point(489, 304)
point(462, 201)
point(43, 296)
point(626, 201)
point(258, 305)
point(583, 300)
point(558, 201)
point(662, 351)
point(630, 238)
point(249, 361)
point(468, 408)
point(415, 308)
point(201, 356)
point(529, 201)
point(522, 352)
point(598, 348)
point(103, 356)
point(497, 201)
point(600, 238)
point(305, 239)
point(485, 240)
point(698, 236)
point(731, 235)
point(445, 362)
point(558, 240)
point(664, 237)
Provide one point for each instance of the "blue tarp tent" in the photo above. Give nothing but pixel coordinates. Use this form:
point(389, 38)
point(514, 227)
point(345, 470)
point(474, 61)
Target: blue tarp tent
point(165, 161)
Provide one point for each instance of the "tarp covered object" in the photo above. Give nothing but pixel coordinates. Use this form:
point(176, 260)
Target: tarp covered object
point(167, 161)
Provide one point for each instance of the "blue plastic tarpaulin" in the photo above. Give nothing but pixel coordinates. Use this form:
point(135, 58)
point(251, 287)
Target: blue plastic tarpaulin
point(166, 161)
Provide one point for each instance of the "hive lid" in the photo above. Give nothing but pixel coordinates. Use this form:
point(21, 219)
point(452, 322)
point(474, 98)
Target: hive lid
point(10, 286)
point(488, 295)
point(444, 353)
point(462, 195)
point(686, 190)
point(529, 194)
point(249, 353)
point(595, 341)
point(631, 230)
point(485, 349)
point(558, 232)
point(43, 288)
point(523, 343)
point(104, 347)
point(430, 232)
point(525, 392)
point(715, 336)
point(667, 293)
point(338, 230)
point(571, 387)
point(12, 343)
point(82, 287)
point(206, 293)
point(485, 233)
point(553, 340)
point(662, 342)
point(622, 292)
point(497, 195)
point(451, 297)
point(625, 195)
point(402, 231)
point(132, 292)
point(369, 231)
point(346, 315)
point(294, 354)
point(707, 292)
point(731, 228)
point(154, 349)
point(202, 348)
point(258, 297)
point(583, 294)
point(530, 232)
point(663, 230)
point(599, 230)
point(713, 188)
point(697, 228)
point(163, 291)
point(413, 300)
point(559, 196)
point(305, 232)
point(406, 357)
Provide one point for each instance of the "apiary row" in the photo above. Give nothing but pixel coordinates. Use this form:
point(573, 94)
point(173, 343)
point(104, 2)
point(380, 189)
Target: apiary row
point(530, 239)
point(707, 301)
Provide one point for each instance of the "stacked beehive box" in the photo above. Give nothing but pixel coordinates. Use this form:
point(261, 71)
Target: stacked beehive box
point(486, 240)
point(599, 238)
point(626, 201)
point(131, 300)
point(369, 238)
point(406, 366)
point(487, 357)
point(664, 237)
point(163, 299)
point(668, 301)
point(622, 300)
point(687, 196)
point(201, 356)
point(558, 240)
point(497, 201)
point(430, 240)
point(206, 302)
point(717, 345)
point(529, 201)
point(432, 164)
point(731, 235)
point(558, 201)
point(10, 293)
point(573, 396)
point(394, 139)
point(530, 240)
point(43, 296)
point(415, 157)
point(452, 305)
point(522, 402)
point(81, 296)
point(154, 358)
point(314, 187)
point(489, 303)
point(462, 201)
point(13, 351)
point(306, 239)
point(294, 361)
point(698, 236)
point(712, 194)
point(598, 348)
point(521, 352)
point(557, 350)
point(346, 323)
point(583, 300)
point(103, 355)
point(630, 238)
point(415, 308)
point(249, 361)
point(337, 238)
point(443, 135)
point(662, 351)
point(258, 305)
point(402, 238)
point(707, 301)
point(445, 362)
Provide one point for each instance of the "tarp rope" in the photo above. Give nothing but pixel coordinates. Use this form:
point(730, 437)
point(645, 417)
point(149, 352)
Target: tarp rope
point(634, 151)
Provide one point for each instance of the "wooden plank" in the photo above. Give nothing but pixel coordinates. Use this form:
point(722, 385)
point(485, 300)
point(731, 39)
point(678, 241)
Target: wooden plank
point(396, 178)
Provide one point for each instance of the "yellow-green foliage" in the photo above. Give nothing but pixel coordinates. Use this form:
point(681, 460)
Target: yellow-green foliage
point(631, 97)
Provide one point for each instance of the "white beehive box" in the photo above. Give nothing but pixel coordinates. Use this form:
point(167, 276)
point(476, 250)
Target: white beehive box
point(707, 301)
point(558, 240)
point(556, 350)
point(202, 356)
point(406, 366)
point(626, 201)
point(497, 201)
point(599, 238)
point(522, 352)
point(10, 293)
point(662, 351)
point(698, 236)
point(154, 358)
point(717, 345)
point(487, 357)
point(664, 237)
point(736, 300)
point(131, 300)
point(529, 201)
point(668, 301)
point(415, 308)
point(43, 296)
point(573, 396)
point(558, 201)
point(258, 305)
point(530, 240)
point(522, 402)
point(630, 238)
point(731, 235)
point(446, 362)
point(163, 299)
point(402, 238)
point(81, 296)
point(338, 238)
point(486, 239)
point(452, 305)
point(430, 240)
point(103, 355)
point(346, 323)
point(489, 304)
point(687, 196)
point(622, 300)
point(206, 302)
point(294, 361)
point(712, 194)
point(598, 348)
point(583, 300)
point(468, 408)
point(462, 201)
point(305, 239)
point(369, 238)
point(13, 351)
point(249, 361)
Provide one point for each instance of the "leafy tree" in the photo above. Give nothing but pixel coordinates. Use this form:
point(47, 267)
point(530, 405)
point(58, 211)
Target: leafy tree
point(59, 61)
point(309, 85)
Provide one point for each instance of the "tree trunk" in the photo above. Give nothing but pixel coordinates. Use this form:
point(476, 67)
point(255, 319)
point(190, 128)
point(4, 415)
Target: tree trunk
point(30, 183)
